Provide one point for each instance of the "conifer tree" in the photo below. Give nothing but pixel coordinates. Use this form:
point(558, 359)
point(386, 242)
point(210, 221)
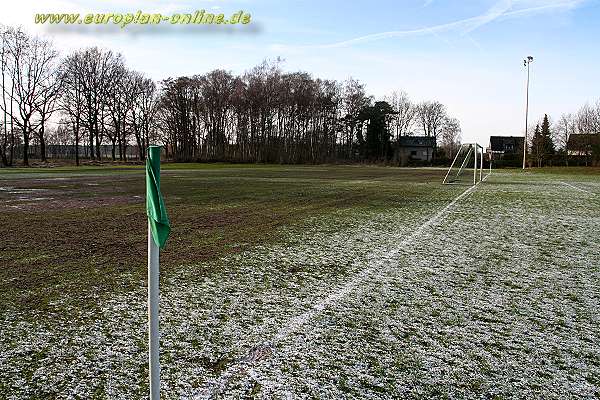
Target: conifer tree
point(537, 145)
point(548, 145)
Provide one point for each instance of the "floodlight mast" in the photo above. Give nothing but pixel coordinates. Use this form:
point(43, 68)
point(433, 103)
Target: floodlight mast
point(526, 63)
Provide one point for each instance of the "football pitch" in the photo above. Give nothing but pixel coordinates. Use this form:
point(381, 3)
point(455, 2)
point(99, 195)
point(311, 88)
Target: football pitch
point(302, 282)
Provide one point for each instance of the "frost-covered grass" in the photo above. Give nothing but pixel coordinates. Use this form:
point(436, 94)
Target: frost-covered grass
point(430, 291)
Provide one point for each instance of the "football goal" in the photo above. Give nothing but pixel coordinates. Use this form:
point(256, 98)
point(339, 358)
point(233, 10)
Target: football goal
point(467, 166)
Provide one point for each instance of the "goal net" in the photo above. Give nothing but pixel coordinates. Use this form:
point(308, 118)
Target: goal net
point(467, 166)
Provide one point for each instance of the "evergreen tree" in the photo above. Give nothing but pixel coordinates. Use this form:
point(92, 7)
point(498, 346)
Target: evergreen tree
point(537, 146)
point(376, 145)
point(548, 145)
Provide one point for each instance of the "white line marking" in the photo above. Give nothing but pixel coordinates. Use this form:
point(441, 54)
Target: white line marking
point(340, 293)
point(218, 386)
point(578, 188)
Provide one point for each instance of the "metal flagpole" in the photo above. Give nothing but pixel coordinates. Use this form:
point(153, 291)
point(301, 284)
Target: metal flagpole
point(526, 62)
point(159, 228)
point(153, 298)
point(153, 273)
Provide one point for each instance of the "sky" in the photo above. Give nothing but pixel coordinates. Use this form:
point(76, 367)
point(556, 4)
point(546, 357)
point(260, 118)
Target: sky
point(465, 54)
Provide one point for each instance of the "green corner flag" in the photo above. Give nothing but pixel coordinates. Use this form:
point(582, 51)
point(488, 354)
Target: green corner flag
point(155, 206)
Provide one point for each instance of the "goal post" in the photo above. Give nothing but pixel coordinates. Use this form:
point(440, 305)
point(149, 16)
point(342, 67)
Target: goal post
point(469, 158)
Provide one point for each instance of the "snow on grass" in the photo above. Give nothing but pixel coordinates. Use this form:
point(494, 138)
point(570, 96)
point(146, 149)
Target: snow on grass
point(493, 295)
point(497, 303)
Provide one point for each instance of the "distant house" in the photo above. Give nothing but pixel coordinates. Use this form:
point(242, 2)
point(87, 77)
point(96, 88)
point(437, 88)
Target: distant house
point(582, 144)
point(503, 146)
point(415, 148)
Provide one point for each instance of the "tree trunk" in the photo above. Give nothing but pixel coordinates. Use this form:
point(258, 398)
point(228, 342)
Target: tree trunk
point(77, 149)
point(76, 133)
point(98, 145)
point(91, 145)
point(139, 143)
point(25, 150)
point(4, 159)
point(12, 146)
point(120, 143)
point(43, 147)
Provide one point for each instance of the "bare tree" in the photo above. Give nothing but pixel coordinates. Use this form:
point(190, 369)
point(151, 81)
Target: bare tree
point(405, 112)
point(565, 127)
point(118, 106)
point(96, 68)
point(47, 105)
point(431, 116)
point(147, 105)
point(588, 125)
point(177, 119)
point(143, 105)
point(353, 101)
point(451, 136)
point(8, 135)
point(72, 100)
point(215, 91)
point(588, 120)
point(33, 79)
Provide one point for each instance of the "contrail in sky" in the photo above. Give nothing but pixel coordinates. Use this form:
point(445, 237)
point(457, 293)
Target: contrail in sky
point(502, 9)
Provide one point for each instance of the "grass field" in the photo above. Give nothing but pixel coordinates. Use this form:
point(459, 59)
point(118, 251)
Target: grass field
point(302, 282)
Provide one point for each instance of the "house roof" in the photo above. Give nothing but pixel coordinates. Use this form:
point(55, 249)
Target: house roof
point(417, 141)
point(582, 141)
point(506, 143)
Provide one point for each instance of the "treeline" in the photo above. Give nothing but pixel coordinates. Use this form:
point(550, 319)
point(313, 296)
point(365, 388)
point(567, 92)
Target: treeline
point(574, 138)
point(88, 97)
point(91, 99)
point(266, 115)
